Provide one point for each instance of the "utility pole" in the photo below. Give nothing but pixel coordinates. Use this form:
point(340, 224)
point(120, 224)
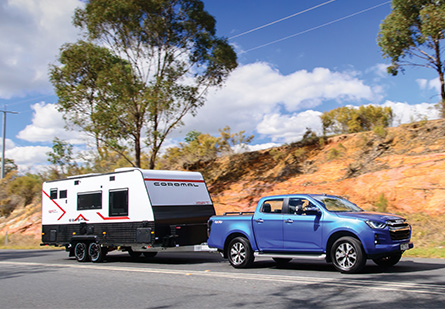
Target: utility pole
point(4, 138)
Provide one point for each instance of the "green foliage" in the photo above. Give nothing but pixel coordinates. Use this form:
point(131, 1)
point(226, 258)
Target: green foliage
point(26, 187)
point(160, 59)
point(382, 203)
point(203, 147)
point(61, 155)
point(380, 131)
point(346, 119)
point(309, 138)
point(10, 166)
point(334, 153)
point(412, 35)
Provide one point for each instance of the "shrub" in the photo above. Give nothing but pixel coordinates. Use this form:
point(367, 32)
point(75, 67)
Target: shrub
point(382, 203)
point(27, 187)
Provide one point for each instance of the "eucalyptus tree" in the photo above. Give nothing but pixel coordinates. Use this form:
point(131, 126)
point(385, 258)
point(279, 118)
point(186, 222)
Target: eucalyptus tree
point(412, 35)
point(142, 66)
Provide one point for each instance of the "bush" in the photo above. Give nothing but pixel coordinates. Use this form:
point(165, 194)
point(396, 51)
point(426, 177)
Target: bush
point(26, 187)
point(347, 119)
point(382, 203)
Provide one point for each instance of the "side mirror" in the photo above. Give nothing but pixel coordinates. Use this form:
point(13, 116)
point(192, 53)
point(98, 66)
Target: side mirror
point(312, 210)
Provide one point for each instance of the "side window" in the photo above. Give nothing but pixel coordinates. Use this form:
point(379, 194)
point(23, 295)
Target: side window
point(53, 194)
point(297, 206)
point(272, 206)
point(89, 200)
point(118, 202)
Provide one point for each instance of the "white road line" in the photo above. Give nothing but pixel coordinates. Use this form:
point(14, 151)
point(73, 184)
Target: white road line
point(423, 288)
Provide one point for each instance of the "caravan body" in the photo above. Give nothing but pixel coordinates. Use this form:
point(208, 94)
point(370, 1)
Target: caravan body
point(132, 209)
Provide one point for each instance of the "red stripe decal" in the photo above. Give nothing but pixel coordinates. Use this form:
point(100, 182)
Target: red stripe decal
point(173, 180)
point(80, 216)
point(64, 212)
point(112, 218)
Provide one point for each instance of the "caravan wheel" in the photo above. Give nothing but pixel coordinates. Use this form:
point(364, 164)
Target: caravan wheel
point(134, 254)
point(150, 254)
point(81, 252)
point(97, 252)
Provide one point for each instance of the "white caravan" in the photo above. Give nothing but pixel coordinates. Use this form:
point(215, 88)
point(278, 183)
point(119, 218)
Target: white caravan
point(134, 210)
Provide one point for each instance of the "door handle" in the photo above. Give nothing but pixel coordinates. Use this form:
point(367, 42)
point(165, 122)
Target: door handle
point(288, 221)
point(259, 220)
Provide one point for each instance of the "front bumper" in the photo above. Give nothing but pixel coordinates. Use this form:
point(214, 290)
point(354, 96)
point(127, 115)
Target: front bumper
point(381, 250)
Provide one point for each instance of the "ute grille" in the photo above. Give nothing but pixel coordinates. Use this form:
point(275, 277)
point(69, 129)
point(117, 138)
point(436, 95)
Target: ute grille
point(399, 229)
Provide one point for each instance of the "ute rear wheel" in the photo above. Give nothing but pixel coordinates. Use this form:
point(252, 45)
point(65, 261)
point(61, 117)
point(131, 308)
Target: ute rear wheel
point(348, 255)
point(240, 253)
point(97, 252)
point(388, 261)
point(81, 252)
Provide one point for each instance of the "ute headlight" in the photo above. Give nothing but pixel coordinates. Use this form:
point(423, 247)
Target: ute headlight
point(376, 225)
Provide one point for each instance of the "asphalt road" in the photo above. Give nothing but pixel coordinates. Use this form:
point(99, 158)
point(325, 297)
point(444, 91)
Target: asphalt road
point(50, 279)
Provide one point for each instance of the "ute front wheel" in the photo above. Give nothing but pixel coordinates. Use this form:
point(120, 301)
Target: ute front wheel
point(81, 252)
point(348, 256)
point(240, 253)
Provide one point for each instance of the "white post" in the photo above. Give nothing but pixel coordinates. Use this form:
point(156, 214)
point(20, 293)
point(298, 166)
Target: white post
point(4, 139)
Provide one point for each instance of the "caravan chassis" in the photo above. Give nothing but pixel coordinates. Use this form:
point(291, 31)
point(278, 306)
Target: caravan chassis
point(85, 246)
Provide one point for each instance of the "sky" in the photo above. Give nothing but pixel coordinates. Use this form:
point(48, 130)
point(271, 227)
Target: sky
point(296, 60)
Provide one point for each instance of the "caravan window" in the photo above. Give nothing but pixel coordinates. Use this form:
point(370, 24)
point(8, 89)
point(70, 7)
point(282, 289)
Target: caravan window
point(53, 194)
point(89, 200)
point(63, 194)
point(118, 202)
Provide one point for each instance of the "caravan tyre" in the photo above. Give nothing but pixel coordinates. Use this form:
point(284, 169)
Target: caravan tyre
point(134, 254)
point(81, 252)
point(97, 252)
point(150, 254)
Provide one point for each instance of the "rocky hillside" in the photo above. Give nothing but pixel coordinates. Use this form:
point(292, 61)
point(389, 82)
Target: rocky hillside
point(399, 170)
point(402, 170)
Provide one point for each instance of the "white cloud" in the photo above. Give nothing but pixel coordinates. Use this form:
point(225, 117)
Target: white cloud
point(32, 32)
point(48, 123)
point(9, 143)
point(380, 69)
point(255, 90)
point(289, 128)
point(425, 84)
point(406, 113)
point(29, 157)
point(262, 146)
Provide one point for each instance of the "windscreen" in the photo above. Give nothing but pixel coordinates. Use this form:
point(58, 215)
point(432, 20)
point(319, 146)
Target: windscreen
point(337, 204)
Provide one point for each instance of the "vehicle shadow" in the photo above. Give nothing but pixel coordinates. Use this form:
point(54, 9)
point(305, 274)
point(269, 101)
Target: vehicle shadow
point(190, 258)
point(404, 266)
point(7, 254)
point(165, 258)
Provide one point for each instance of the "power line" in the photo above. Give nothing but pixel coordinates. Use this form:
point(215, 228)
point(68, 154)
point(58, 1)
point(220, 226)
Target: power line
point(315, 28)
point(281, 19)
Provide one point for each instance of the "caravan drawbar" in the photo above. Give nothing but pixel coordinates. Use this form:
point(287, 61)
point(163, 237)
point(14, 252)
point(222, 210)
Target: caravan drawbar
point(131, 209)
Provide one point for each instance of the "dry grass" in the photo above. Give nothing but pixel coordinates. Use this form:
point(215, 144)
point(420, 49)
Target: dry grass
point(19, 241)
point(428, 236)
